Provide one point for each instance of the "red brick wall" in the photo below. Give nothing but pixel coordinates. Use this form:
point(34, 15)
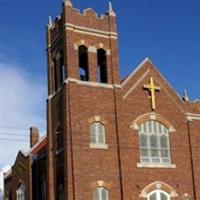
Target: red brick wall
point(21, 173)
point(8, 187)
point(136, 104)
point(119, 107)
point(194, 128)
point(91, 165)
point(84, 166)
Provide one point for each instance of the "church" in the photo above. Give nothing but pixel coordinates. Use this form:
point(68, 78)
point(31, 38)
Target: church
point(107, 138)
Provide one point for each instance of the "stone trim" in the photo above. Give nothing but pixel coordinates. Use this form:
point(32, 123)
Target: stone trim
point(79, 43)
point(98, 146)
point(158, 185)
point(100, 183)
point(90, 31)
point(152, 116)
point(86, 83)
point(22, 166)
point(186, 196)
point(68, 3)
point(54, 42)
point(55, 93)
point(84, 30)
point(108, 52)
point(136, 84)
point(97, 119)
point(151, 165)
point(134, 71)
point(90, 83)
point(92, 49)
point(117, 86)
point(87, 10)
point(189, 118)
point(192, 116)
point(101, 45)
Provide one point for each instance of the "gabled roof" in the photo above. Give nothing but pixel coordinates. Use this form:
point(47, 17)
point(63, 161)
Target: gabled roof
point(140, 66)
point(34, 150)
point(144, 69)
point(125, 80)
point(38, 146)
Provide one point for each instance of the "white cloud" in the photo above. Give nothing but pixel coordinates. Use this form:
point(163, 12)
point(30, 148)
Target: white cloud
point(22, 104)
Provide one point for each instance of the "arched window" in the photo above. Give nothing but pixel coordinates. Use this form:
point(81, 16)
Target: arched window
point(21, 192)
point(154, 143)
point(97, 133)
point(83, 63)
point(158, 195)
point(102, 66)
point(158, 190)
point(101, 193)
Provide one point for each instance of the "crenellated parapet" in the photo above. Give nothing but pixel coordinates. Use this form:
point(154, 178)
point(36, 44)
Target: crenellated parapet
point(73, 19)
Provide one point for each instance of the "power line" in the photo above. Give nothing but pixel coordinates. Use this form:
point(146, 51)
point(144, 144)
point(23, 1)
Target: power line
point(84, 144)
point(13, 140)
point(10, 127)
point(14, 134)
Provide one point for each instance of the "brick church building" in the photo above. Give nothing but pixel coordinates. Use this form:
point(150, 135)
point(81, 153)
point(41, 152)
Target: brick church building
point(107, 138)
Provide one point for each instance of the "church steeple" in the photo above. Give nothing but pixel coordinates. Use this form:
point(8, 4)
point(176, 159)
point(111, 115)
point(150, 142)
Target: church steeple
point(92, 43)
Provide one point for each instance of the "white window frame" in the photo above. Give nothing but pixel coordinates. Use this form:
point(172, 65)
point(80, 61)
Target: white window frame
point(100, 192)
point(95, 140)
point(158, 194)
point(148, 129)
point(21, 192)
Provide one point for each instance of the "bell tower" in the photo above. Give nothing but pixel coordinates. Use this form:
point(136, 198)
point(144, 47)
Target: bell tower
point(82, 58)
point(82, 46)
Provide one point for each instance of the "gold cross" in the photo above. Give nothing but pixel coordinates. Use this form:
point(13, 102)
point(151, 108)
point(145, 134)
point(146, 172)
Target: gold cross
point(152, 89)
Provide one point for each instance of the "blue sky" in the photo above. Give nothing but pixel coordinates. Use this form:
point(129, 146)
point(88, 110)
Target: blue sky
point(166, 31)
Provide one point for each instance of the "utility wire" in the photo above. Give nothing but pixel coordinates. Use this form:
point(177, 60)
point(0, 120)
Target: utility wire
point(86, 145)
point(14, 134)
point(13, 140)
point(10, 127)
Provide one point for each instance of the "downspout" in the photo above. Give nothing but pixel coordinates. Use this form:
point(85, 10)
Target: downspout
point(116, 121)
point(191, 158)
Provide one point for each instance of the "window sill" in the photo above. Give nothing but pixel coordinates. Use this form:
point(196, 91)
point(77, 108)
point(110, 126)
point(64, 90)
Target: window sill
point(98, 146)
point(152, 165)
